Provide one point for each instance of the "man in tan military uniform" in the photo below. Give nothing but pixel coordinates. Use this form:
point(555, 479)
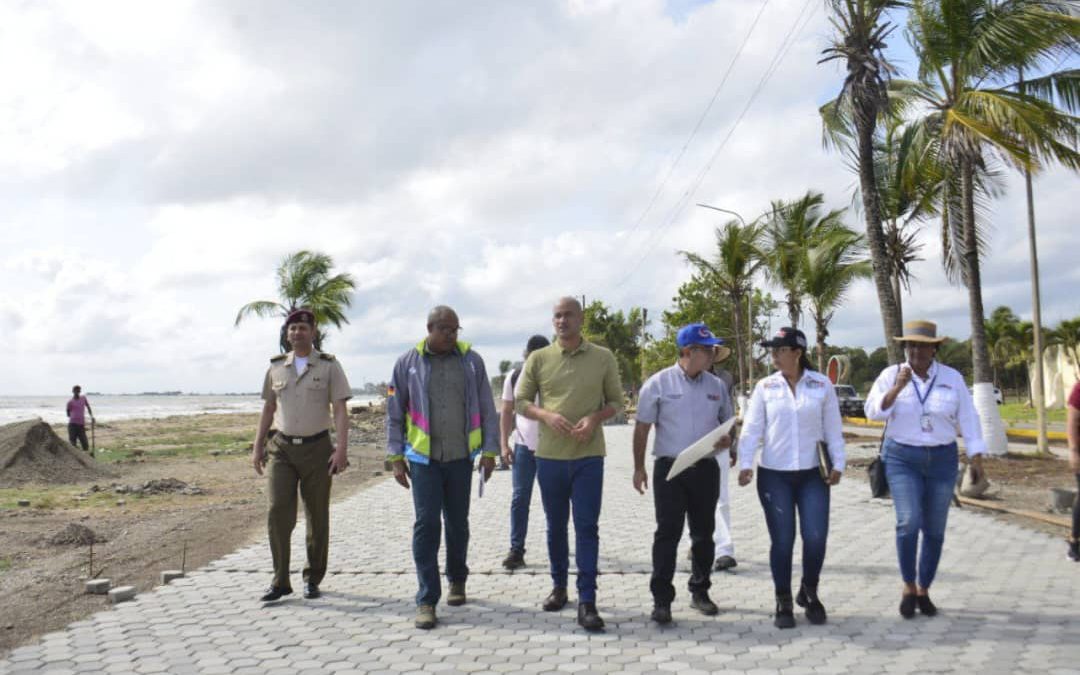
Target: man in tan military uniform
point(299, 391)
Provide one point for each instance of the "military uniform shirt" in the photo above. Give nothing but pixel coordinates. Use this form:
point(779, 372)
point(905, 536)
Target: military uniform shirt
point(303, 399)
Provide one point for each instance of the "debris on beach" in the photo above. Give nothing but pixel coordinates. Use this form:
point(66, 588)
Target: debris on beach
point(77, 535)
point(31, 452)
point(157, 486)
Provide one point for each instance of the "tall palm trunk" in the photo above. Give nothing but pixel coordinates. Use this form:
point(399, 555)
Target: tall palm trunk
point(980, 351)
point(865, 119)
point(741, 353)
point(822, 332)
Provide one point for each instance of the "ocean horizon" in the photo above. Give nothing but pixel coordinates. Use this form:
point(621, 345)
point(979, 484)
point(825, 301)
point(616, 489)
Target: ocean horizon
point(116, 407)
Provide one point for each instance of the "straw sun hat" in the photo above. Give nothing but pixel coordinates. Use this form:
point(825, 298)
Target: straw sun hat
point(920, 331)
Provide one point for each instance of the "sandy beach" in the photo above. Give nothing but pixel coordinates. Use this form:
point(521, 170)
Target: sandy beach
point(203, 501)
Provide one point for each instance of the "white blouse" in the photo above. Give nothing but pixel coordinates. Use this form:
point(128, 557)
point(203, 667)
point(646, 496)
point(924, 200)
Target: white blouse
point(789, 425)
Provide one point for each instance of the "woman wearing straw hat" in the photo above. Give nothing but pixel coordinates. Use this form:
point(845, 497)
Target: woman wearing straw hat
point(925, 405)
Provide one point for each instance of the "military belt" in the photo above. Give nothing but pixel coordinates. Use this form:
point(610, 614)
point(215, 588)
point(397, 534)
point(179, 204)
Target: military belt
point(300, 440)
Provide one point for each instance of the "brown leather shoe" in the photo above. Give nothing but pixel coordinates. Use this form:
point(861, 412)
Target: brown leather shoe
point(556, 600)
point(456, 596)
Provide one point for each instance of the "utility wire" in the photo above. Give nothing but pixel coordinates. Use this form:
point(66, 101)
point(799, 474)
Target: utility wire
point(797, 26)
point(700, 122)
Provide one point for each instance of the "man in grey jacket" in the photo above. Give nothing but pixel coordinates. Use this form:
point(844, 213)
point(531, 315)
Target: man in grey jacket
point(440, 417)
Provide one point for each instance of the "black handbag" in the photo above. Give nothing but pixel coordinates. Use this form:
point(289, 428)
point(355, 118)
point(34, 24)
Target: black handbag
point(879, 485)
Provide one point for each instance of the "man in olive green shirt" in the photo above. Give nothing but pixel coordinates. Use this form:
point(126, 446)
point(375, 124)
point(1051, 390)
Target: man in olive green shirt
point(579, 388)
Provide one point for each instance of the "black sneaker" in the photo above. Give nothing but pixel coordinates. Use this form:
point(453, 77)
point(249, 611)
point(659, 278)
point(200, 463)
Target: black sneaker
point(724, 562)
point(907, 605)
point(925, 606)
point(1074, 551)
point(514, 560)
point(661, 613)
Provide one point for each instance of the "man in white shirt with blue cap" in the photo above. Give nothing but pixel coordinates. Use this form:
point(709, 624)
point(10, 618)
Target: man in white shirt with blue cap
point(684, 402)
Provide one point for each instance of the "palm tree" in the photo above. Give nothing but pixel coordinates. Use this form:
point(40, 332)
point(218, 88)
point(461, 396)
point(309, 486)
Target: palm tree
point(731, 270)
point(304, 280)
point(1067, 337)
point(860, 43)
point(965, 47)
point(1004, 337)
point(790, 229)
point(828, 270)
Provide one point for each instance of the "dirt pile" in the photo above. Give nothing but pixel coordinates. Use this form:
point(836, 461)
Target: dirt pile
point(159, 486)
point(31, 452)
point(367, 424)
point(75, 534)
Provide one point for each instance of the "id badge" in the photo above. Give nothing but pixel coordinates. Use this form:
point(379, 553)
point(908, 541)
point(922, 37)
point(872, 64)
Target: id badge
point(925, 424)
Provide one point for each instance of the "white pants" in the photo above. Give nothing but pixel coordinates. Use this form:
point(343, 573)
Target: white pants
point(722, 534)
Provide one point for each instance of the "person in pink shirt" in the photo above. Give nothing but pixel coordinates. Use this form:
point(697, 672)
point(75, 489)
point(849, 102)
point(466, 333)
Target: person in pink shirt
point(77, 408)
point(1073, 429)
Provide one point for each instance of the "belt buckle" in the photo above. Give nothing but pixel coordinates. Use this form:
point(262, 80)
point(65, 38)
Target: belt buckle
point(296, 440)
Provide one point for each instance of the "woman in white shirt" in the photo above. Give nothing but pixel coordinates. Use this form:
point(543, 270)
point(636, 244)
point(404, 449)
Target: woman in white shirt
point(789, 412)
point(924, 405)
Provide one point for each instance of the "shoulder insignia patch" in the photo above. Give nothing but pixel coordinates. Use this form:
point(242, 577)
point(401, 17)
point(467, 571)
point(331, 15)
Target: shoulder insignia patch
point(326, 357)
point(279, 357)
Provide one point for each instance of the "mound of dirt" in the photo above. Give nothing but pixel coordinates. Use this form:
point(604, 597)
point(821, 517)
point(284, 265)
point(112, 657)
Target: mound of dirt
point(79, 535)
point(32, 452)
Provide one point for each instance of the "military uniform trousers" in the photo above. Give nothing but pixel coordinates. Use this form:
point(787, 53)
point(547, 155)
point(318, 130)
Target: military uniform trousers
point(305, 465)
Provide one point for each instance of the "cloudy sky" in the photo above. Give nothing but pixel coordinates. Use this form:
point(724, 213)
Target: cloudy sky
point(160, 158)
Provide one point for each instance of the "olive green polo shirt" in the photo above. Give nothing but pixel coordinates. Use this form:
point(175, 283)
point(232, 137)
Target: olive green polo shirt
point(574, 384)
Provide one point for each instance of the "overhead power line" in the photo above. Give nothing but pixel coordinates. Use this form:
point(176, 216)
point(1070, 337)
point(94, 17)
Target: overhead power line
point(796, 28)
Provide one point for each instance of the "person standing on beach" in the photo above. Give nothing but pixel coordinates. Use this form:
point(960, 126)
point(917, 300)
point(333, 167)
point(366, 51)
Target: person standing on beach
point(684, 402)
point(440, 416)
point(519, 437)
point(299, 391)
point(579, 387)
point(77, 408)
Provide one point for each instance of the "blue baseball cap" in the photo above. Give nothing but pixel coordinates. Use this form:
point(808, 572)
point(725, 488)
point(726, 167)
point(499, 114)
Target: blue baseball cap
point(696, 334)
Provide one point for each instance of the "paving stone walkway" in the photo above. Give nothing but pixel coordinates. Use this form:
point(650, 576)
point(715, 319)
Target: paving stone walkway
point(1009, 600)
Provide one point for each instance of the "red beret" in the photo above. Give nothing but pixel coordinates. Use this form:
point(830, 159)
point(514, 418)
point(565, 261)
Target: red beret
point(300, 315)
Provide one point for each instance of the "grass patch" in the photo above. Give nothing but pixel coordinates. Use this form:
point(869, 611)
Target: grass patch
point(5, 565)
point(181, 443)
point(1019, 412)
point(61, 498)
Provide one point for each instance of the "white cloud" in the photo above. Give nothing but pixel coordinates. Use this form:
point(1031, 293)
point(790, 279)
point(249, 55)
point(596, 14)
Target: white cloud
point(159, 161)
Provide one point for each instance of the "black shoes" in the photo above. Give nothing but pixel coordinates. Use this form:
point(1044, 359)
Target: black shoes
point(907, 605)
point(514, 560)
point(661, 614)
point(274, 593)
point(311, 591)
point(808, 598)
point(925, 606)
point(785, 612)
point(1074, 551)
point(724, 562)
point(556, 600)
point(588, 618)
point(704, 604)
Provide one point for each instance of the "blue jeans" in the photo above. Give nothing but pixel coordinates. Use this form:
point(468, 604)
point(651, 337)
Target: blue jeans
point(440, 490)
point(781, 494)
point(578, 483)
point(523, 474)
point(922, 480)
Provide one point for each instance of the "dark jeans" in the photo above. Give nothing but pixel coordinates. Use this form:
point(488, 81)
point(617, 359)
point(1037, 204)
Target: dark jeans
point(692, 497)
point(440, 490)
point(523, 474)
point(77, 432)
point(578, 483)
point(782, 493)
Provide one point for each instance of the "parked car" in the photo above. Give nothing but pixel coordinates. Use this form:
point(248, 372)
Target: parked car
point(998, 397)
point(851, 404)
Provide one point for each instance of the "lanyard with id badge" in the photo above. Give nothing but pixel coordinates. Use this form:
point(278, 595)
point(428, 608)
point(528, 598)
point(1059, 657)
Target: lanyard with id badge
point(925, 424)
